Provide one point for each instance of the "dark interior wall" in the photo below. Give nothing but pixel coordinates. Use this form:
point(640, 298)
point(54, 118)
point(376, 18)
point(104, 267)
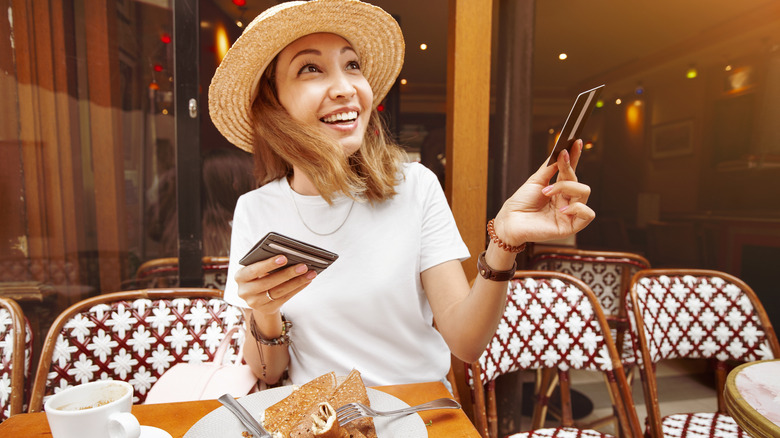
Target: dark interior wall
point(757, 270)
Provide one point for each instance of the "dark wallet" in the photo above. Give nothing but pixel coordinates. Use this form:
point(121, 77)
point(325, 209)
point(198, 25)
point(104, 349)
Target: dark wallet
point(296, 252)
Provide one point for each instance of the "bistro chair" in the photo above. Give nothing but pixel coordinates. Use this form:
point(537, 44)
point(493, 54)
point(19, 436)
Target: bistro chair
point(164, 273)
point(15, 358)
point(696, 314)
point(133, 336)
point(551, 321)
point(608, 274)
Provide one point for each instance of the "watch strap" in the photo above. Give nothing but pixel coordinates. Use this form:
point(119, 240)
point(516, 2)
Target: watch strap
point(491, 274)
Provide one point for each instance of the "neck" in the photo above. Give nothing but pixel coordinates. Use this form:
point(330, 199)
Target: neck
point(301, 184)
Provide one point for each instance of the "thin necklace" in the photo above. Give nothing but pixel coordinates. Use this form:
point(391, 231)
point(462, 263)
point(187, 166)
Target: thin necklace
point(308, 227)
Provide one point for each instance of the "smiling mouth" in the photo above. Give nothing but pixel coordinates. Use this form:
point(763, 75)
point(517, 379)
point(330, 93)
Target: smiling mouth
point(345, 117)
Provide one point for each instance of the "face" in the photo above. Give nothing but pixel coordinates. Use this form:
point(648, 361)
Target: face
point(319, 83)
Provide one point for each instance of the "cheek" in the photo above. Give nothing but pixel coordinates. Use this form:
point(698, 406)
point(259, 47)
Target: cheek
point(284, 95)
point(295, 102)
point(367, 94)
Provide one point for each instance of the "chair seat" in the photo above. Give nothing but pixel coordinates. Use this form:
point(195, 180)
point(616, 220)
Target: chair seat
point(696, 425)
point(561, 432)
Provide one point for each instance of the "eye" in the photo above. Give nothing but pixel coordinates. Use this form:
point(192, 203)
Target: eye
point(308, 68)
point(353, 65)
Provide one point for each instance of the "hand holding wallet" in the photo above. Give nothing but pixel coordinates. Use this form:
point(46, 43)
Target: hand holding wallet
point(317, 259)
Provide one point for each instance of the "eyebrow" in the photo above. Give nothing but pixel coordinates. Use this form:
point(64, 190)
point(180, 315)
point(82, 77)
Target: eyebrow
point(318, 53)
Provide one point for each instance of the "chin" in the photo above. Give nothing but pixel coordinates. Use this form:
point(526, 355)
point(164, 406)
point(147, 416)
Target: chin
point(351, 147)
point(351, 143)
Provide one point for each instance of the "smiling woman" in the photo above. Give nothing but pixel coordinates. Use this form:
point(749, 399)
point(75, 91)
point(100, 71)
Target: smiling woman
point(300, 89)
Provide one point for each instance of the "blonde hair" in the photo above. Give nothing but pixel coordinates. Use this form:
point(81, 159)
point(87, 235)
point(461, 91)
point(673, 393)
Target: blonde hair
point(280, 142)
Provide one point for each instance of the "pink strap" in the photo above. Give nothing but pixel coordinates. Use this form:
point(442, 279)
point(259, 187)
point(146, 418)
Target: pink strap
point(219, 355)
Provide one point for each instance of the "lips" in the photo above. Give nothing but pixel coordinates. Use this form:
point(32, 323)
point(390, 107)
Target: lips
point(340, 117)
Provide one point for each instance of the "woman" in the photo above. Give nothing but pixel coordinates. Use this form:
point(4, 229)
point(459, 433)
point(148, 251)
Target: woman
point(299, 89)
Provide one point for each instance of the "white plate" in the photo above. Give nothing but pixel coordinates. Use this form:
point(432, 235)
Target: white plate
point(222, 423)
point(153, 432)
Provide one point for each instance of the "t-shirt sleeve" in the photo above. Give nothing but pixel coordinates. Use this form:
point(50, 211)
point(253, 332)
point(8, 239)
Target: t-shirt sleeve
point(440, 239)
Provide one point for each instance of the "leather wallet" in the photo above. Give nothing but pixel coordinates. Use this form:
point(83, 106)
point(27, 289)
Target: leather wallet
point(273, 243)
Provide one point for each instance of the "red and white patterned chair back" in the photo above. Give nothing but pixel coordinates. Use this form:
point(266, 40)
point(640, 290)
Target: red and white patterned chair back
point(164, 273)
point(551, 320)
point(696, 314)
point(133, 336)
point(602, 271)
point(700, 315)
point(215, 272)
point(15, 358)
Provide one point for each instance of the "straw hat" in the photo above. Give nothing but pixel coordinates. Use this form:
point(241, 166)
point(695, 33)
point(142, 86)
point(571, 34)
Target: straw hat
point(372, 32)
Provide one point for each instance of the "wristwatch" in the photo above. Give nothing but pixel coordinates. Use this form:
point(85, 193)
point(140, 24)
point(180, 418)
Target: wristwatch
point(491, 274)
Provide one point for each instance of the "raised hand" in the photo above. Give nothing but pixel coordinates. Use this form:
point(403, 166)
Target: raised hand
point(540, 211)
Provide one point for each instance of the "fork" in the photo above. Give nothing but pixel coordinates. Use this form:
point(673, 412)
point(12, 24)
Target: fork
point(353, 411)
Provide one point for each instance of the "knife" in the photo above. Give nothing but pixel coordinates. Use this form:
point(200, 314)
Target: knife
point(246, 418)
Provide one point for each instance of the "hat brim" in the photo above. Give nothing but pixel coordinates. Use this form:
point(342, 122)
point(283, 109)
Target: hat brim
point(372, 32)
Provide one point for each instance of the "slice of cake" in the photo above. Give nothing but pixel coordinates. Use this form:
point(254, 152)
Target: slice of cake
point(353, 390)
point(309, 412)
point(285, 415)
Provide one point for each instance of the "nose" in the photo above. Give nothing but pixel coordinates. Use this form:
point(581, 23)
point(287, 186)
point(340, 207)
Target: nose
point(341, 87)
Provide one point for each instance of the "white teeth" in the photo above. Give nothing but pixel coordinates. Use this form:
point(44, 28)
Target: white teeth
point(340, 117)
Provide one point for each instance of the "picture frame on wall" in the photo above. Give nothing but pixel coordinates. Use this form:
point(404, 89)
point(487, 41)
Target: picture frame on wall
point(672, 139)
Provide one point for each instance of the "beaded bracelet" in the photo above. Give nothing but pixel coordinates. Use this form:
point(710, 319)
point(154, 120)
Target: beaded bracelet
point(283, 339)
point(501, 244)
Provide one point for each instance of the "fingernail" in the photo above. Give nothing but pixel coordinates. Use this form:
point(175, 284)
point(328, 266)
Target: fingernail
point(311, 275)
point(301, 269)
point(564, 208)
point(547, 189)
point(279, 260)
point(566, 157)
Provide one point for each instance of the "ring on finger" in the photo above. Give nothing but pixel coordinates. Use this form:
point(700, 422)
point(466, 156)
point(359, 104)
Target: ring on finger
point(268, 294)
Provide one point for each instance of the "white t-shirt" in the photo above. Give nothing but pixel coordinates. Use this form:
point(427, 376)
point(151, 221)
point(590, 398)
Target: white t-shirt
point(368, 310)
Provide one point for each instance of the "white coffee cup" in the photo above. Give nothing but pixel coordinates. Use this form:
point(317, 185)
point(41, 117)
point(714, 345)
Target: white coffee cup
point(93, 410)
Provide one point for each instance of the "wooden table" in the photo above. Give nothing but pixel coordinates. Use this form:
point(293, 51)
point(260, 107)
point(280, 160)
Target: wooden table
point(177, 418)
point(746, 416)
